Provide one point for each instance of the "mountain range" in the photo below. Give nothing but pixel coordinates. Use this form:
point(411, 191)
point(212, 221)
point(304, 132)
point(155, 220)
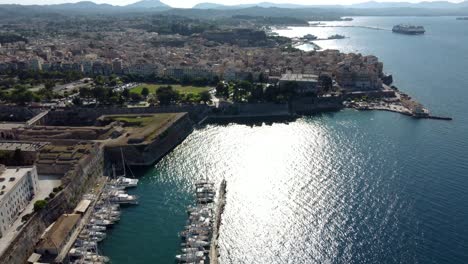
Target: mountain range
point(370, 4)
point(157, 4)
point(212, 10)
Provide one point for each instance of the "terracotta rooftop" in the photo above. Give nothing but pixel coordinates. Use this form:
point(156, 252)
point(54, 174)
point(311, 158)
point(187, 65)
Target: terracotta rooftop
point(58, 233)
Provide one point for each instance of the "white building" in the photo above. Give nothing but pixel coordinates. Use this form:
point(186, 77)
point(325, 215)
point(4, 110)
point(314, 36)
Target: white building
point(17, 188)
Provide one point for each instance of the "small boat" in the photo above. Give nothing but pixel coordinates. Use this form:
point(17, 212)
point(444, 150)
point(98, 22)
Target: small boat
point(77, 252)
point(84, 243)
point(107, 206)
point(108, 212)
point(100, 222)
point(109, 217)
point(94, 257)
point(92, 235)
point(196, 243)
point(191, 256)
point(124, 198)
point(125, 182)
point(122, 181)
point(97, 228)
point(191, 250)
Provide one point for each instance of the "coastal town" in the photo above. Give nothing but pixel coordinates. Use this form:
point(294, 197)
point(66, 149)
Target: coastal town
point(80, 102)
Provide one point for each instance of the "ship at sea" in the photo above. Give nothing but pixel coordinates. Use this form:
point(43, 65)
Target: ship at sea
point(409, 29)
point(462, 18)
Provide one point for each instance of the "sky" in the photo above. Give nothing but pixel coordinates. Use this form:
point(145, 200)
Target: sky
point(190, 3)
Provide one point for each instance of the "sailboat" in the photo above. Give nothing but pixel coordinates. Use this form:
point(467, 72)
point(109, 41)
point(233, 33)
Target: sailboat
point(122, 181)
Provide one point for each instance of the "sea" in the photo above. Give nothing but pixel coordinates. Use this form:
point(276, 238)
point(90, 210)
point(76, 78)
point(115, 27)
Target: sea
point(341, 187)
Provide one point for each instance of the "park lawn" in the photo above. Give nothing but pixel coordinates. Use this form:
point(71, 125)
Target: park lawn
point(187, 89)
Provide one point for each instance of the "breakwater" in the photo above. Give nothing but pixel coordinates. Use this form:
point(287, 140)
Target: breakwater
point(221, 202)
point(343, 26)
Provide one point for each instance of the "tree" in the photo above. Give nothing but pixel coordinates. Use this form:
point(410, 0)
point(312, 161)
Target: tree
point(18, 157)
point(99, 93)
point(49, 85)
point(257, 93)
point(166, 95)
point(21, 95)
point(241, 90)
point(126, 93)
point(270, 93)
point(47, 92)
point(39, 205)
point(77, 101)
point(135, 97)
point(99, 80)
point(222, 89)
point(145, 92)
point(85, 92)
point(205, 97)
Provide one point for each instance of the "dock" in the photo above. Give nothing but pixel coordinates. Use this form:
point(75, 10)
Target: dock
point(99, 211)
point(401, 103)
point(200, 236)
point(214, 247)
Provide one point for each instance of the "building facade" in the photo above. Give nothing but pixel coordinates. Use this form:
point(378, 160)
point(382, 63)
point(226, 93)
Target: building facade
point(17, 188)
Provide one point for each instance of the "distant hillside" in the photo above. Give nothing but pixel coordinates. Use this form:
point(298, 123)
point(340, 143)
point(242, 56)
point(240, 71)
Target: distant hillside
point(262, 4)
point(370, 4)
point(211, 11)
point(149, 4)
point(316, 13)
point(80, 8)
point(426, 4)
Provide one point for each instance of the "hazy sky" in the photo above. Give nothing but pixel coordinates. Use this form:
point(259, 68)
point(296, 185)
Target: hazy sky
point(190, 3)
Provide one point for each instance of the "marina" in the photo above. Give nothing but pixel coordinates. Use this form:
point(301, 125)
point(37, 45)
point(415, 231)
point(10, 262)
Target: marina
point(105, 214)
point(199, 239)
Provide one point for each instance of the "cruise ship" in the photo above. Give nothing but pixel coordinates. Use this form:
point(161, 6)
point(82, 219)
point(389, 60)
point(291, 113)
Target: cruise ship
point(409, 29)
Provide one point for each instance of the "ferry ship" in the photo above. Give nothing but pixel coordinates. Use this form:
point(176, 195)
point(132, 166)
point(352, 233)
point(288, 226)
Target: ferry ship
point(409, 29)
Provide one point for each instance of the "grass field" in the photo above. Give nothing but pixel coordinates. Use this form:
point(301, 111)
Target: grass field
point(181, 89)
point(146, 126)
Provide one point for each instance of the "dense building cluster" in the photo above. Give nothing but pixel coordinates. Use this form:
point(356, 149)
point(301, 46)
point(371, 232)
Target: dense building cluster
point(206, 55)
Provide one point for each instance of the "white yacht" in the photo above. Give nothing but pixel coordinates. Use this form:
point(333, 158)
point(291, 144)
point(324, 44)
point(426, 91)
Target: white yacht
point(190, 257)
point(101, 222)
point(93, 257)
point(97, 228)
point(124, 198)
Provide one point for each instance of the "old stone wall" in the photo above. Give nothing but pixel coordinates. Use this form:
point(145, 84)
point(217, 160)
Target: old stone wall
point(75, 183)
point(17, 113)
point(87, 116)
point(146, 154)
point(311, 105)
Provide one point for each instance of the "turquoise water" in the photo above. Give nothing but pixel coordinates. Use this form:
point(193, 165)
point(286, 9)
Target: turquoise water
point(347, 187)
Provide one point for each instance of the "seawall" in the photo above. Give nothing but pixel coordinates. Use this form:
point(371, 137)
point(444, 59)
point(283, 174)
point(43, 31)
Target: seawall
point(148, 153)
